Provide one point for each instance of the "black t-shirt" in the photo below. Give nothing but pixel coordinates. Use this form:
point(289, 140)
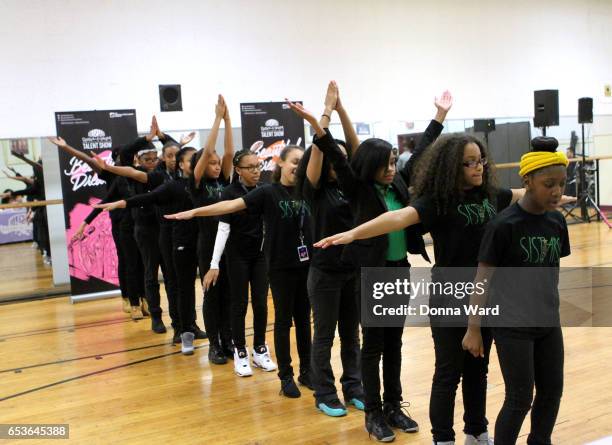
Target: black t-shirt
point(184, 232)
point(287, 223)
point(208, 192)
point(457, 234)
point(331, 214)
point(246, 234)
point(526, 250)
point(157, 178)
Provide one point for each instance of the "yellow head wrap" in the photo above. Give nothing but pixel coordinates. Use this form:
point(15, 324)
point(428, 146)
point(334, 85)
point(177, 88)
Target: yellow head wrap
point(535, 160)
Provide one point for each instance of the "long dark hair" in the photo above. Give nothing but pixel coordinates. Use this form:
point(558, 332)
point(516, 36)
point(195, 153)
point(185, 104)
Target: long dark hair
point(372, 154)
point(303, 165)
point(439, 172)
point(276, 174)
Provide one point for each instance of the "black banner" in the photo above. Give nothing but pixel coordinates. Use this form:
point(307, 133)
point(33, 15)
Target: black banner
point(92, 259)
point(267, 128)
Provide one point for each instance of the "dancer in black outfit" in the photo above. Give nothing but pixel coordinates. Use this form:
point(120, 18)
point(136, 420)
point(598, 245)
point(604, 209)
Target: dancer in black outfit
point(523, 247)
point(372, 187)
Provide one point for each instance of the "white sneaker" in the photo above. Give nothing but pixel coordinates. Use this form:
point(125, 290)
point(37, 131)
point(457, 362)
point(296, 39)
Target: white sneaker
point(241, 363)
point(482, 439)
point(187, 343)
point(263, 360)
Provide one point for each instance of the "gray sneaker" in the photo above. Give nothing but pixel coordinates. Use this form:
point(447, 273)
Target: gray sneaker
point(481, 439)
point(187, 343)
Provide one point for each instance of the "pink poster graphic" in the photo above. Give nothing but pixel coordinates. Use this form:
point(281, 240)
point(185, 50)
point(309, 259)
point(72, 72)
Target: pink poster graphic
point(95, 254)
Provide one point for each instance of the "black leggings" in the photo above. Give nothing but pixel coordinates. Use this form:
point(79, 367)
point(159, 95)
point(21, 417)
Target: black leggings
point(529, 357)
point(216, 308)
point(291, 305)
point(186, 263)
point(243, 271)
point(133, 267)
point(452, 365)
point(169, 270)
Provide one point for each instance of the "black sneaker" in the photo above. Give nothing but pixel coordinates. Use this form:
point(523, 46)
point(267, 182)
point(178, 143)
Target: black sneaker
point(398, 417)
point(216, 355)
point(176, 338)
point(229, 352)
point(289, 388)
point(157, 325)
point(376, 426)
point(304, 379)
point(199, 333)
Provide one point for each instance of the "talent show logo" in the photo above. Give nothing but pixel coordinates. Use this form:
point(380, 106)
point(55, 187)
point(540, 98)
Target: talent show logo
point(272, 129)
point(97, 140)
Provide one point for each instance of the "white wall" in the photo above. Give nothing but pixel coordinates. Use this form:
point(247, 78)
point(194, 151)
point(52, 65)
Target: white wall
point(390, 57)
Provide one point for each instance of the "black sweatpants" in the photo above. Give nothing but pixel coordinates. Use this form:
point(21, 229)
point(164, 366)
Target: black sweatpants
point(216, 308)
point(169, 271)
point(242, 272)
point(529, 357)
point(147, 238)
point(291, 305)
point(453, 364)
point(121, 264)
point(133, 267)
point(186, 263)
point(333, 300)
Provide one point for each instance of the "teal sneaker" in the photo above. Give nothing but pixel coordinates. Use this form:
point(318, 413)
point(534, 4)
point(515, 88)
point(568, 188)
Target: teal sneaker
point(333, 408)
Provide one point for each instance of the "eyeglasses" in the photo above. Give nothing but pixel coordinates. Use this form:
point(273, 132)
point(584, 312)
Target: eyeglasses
point(251, 168)
point(473, 164)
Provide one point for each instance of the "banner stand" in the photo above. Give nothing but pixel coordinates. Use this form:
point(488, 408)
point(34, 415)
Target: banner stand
point(94, 296)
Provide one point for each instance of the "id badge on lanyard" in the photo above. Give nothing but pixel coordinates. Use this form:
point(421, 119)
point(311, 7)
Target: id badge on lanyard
point(302, 248)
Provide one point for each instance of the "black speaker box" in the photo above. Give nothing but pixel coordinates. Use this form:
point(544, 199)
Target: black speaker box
point(484, 125)
point(545, 108)
point(170, 98)
point(585, 110)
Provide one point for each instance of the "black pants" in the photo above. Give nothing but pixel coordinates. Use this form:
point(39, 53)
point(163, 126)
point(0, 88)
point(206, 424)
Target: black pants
point(242, 272)
point(385, 343)
point(133, 267)
point(186, 263)
point(528, 357)
point(216, 308)
point(147, 238)
point(452, 365)
point(169, 271)
point(121, 262)
point(333, 301)
point(291, 305)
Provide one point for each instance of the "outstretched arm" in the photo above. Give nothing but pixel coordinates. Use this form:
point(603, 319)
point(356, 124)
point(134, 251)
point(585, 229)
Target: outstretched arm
point(127, 172)
point(211, 141)
point(220, 208)
point(63, 145)
point(386, 223)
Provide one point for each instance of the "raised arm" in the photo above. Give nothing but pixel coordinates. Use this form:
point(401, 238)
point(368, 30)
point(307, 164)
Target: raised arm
point(386, 223)
point(17, 177)
point(34, 164)
point(125, 171)
point(352, 141)
point(228, 146)
point(220, 208)
point(211, 141)
point(131, 149)
point(63, 145)
point(433, 130)
point(315, 162)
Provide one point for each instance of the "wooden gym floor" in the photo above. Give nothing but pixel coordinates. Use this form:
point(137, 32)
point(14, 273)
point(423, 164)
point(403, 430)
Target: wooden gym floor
point(114, 381)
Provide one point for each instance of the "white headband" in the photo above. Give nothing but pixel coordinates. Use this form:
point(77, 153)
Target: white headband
point(146, 150)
